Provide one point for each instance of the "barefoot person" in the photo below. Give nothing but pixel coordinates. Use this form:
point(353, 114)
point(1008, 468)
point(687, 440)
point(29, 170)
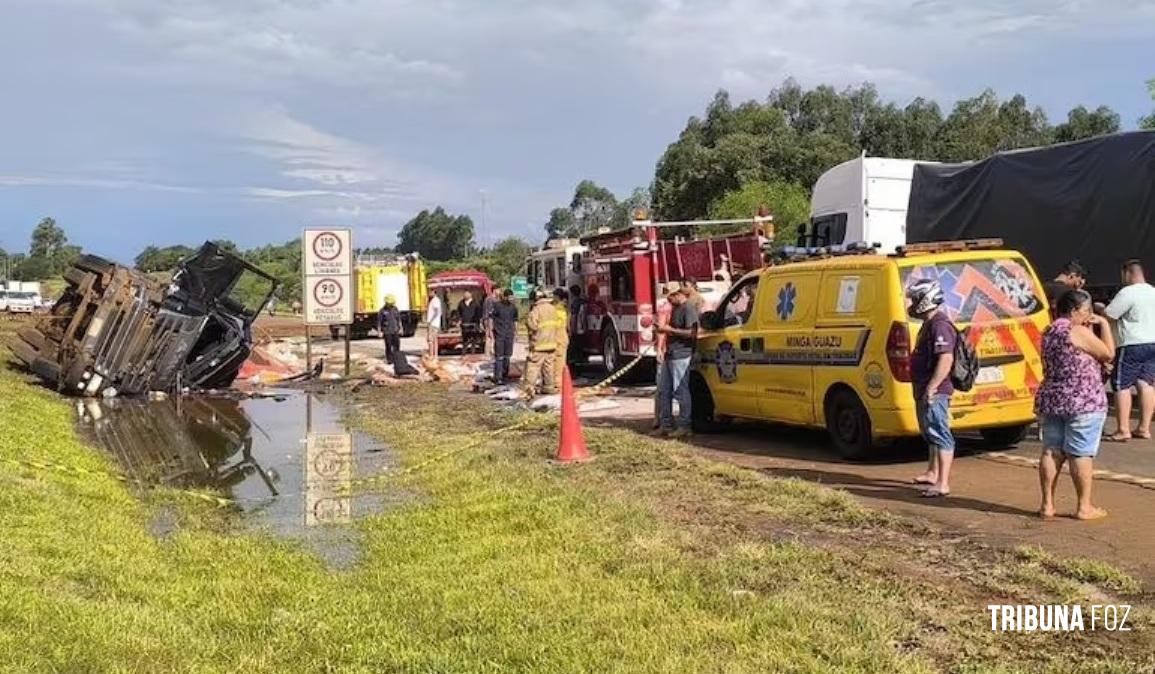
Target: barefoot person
point(930, 367)
point(1133, 311)
point(1071, 403)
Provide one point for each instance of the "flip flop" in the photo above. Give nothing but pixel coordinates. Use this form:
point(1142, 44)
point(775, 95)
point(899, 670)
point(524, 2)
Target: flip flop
point(1140, 436)
point(921, 480)
point(1115, 437)
point(934, 493)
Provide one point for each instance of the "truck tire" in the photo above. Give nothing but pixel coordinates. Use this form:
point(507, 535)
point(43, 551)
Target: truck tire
point(1004, 437)
point(611, 351)
point(848, 424)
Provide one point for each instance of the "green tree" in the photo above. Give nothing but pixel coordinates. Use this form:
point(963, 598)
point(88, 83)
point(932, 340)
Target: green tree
point(437, 235)
point(788, 202)
point(593, 206)
point(561, 224)
point(154, 259)
point(507, 258)
point(32, 268)
point(981, 126)
point(1083, 123)
point(47, 239)
point(1148, 122)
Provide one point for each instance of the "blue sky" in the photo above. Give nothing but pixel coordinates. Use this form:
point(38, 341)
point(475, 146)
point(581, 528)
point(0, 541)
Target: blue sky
point(141, 121)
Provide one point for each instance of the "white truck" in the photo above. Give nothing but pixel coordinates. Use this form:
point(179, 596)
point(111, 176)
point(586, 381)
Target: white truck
point(864, 199)
point(20, 296)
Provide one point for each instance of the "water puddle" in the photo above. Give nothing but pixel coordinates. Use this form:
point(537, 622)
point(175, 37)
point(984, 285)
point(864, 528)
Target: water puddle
point(287, 461)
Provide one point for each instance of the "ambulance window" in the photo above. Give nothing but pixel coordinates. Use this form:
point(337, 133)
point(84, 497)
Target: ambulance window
point(982, 290)
point(576, 263)
point(550, 273)
point(621, 281)
point(739, 303)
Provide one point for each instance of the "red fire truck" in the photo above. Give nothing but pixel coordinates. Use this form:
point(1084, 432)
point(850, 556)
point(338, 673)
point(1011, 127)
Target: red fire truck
point(623, 271)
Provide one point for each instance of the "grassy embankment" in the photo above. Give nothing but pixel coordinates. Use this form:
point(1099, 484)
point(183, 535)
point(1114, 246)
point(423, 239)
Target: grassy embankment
point(648, 560)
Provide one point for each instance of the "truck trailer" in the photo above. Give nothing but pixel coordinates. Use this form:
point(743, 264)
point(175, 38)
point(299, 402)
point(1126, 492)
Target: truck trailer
point(1091, 200)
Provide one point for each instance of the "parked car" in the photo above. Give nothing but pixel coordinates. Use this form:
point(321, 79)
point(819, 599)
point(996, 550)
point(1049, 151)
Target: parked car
point(116, 330)
point(19, 302)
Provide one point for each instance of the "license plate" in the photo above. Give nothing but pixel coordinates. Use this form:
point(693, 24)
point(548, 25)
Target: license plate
point(989, 375)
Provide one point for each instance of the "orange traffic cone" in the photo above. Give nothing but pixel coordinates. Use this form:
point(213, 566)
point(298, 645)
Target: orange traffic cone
point(571, 446)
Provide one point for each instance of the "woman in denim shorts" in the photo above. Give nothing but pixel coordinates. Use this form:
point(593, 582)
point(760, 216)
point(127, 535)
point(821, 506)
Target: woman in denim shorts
point(1071, 403)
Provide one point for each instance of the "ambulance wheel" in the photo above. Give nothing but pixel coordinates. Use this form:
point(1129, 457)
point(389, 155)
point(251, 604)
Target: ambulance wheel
point(611, 351)
point(702, 416)
point(1004, 436)
point(848, 424)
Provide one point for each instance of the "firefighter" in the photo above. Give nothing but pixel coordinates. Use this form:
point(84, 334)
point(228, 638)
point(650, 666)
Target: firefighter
point(541, 323)
point(561, 354)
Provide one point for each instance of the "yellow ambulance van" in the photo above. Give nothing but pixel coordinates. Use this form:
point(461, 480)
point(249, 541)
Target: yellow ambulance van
point(824, 340)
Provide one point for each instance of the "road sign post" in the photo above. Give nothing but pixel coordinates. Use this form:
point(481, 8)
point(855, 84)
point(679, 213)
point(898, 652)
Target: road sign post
point(327, 265)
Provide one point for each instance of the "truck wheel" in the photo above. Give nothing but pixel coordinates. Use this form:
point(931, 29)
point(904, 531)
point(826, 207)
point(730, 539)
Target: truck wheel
point(702, 416)
point(1004, 436)
point(848, 424)
point(611, 352)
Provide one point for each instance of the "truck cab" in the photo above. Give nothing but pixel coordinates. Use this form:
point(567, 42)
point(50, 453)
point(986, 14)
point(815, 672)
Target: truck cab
point(557, 265)
point(864, 199)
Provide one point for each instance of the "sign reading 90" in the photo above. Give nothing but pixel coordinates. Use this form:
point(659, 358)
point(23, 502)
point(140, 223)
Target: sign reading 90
point(328, 292)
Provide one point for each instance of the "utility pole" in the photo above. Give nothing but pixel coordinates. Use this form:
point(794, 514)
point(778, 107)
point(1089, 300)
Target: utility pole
point(481, 235)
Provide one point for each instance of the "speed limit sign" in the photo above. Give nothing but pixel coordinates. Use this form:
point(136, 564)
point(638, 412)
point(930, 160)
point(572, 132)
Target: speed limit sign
point(327, 256)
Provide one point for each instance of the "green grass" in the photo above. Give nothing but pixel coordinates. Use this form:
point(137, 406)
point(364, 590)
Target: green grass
point(647, 560)
point(1082, 569)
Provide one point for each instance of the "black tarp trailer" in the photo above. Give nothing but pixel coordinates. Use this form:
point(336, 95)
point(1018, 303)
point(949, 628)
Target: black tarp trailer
point(1091, 200)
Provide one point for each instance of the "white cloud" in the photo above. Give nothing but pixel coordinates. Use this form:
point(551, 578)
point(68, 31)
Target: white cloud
point(89, 181)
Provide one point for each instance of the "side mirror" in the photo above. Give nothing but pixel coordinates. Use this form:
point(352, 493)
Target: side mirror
point(801, 235)
point(709, 320)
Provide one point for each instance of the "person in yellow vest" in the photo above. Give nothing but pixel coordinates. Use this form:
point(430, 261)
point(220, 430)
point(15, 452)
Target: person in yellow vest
point(541, 323)
point(560, 304)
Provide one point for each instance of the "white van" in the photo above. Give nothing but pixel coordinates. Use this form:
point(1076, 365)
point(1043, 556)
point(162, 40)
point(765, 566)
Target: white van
point(864, 199)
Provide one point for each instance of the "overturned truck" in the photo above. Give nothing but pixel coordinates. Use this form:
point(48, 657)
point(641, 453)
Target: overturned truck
point(119, 331)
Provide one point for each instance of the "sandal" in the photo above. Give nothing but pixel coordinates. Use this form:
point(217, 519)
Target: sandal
point(1117, 437)
point(921, 480)
point(934, 493)
point(1138, 435)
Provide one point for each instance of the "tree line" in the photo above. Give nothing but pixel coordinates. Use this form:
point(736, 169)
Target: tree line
point(735, 158)
point(49, 254)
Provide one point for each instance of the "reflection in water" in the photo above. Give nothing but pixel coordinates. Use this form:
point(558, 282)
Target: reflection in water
point(184, 442)
point(287, 461)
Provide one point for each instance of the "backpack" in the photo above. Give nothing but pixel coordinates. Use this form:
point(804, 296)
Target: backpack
point(966, 362)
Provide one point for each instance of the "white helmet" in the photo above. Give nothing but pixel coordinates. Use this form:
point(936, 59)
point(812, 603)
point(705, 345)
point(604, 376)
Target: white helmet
point(925, 296)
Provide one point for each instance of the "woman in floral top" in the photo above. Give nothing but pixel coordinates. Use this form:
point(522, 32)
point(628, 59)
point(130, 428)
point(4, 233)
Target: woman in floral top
point(1071, 403)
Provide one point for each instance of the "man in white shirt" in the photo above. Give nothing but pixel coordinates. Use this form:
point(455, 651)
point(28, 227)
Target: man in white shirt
point(433, 313)
point(1133, 314)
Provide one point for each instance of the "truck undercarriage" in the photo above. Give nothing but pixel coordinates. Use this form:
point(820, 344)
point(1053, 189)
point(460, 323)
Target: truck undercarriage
point(119, 331)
